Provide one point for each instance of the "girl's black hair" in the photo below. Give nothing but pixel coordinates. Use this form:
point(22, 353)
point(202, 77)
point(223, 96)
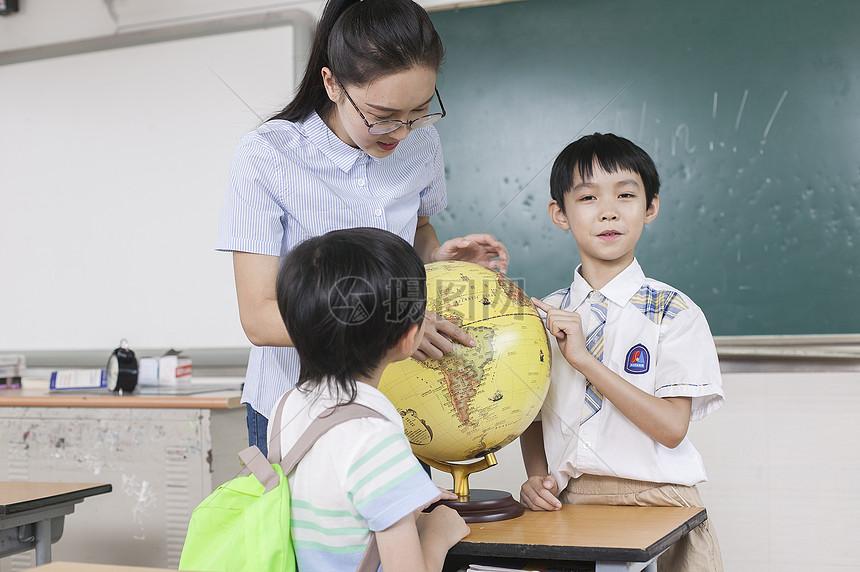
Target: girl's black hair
point(612, 153)
point(347, 297)
point(361, 41)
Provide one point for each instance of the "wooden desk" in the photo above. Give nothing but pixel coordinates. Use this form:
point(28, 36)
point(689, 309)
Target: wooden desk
point(32, 514)
point(611, 537)
point(227, 399)
point(162, 454)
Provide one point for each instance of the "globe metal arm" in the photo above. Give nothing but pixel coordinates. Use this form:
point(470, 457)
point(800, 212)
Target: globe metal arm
point(461, 472)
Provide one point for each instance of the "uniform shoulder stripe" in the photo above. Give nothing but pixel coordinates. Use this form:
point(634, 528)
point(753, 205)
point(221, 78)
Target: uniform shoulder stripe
point(557, 297)
point(658, 305)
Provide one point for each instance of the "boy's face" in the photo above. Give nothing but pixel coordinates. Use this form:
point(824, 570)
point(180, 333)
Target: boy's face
point(606, 215)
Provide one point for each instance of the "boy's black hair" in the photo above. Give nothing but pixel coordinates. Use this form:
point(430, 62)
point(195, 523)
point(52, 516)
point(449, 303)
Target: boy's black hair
point(347, 297)
point(361, 41)
point(612, 153)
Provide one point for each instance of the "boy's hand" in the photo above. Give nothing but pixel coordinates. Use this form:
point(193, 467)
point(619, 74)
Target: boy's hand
point(444, 524)
point(539, 493)
point(438, 336)
point(567, 329)
point(444, 494)
point(481, 249)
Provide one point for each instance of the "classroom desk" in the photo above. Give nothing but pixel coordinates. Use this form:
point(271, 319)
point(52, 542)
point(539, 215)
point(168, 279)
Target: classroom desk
point(32, 514)
point(162, 454)
point(611, 537)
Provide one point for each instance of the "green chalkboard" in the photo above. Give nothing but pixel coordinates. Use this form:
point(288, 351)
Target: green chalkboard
point(751, 110)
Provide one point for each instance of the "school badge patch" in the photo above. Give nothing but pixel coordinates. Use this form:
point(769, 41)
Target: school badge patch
point(638, 360)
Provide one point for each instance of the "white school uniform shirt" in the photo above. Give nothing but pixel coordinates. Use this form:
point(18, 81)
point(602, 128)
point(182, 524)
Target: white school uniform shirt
point(290, 181)
point(360, 476)
point(657, 339)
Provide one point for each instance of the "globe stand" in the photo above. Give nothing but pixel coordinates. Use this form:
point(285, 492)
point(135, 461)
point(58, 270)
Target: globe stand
point(480, 505)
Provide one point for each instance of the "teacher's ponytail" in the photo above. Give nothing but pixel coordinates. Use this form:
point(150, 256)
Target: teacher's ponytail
point(311, 94)
point(361, 41)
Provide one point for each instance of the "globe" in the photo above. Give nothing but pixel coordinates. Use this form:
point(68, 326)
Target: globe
point(475, 400)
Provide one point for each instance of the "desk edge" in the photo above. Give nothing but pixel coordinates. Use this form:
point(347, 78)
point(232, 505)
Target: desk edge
point(71, 496)
point(585, 553)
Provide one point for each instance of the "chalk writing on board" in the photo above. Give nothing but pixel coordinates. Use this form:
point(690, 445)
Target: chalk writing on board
point(682, 140)
point(773, 116)
point(714, 116)
point(741, 109)
point(683, 131)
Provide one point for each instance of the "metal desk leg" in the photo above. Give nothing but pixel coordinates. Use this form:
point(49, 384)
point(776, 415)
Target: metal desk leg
point(43, 542)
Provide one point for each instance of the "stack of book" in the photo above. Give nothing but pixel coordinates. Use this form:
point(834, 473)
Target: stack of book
point(12, 368)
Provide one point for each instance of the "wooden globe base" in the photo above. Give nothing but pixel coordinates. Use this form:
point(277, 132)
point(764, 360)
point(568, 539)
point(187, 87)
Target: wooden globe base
point(479, 505)
point(485, 505)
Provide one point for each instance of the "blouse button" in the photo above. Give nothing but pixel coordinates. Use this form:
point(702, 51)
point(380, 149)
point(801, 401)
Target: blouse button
point(378, 212)
point(361, 182)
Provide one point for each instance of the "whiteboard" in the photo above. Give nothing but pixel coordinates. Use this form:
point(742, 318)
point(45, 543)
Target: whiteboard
point(113, 171)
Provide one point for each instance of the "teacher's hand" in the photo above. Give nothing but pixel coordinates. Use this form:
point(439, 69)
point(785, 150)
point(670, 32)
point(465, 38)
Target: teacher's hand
point(439, 337)
point(481, 249)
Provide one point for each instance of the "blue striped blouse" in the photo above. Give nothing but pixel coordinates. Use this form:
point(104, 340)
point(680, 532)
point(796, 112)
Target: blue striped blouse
point(291, 181)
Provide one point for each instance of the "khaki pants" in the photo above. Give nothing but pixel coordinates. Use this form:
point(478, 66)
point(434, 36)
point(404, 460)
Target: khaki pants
point(698, 550)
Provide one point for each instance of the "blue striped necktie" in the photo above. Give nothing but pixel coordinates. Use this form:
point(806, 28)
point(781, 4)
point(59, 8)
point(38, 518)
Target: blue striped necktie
point(594, 343)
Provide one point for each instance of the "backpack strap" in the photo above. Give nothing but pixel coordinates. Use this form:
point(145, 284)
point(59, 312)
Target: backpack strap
point(319, 426)
point(253, 462)
point(274, 443)
point(329, 418)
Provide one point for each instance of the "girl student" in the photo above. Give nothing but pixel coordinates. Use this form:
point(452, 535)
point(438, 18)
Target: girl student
point(354, 148)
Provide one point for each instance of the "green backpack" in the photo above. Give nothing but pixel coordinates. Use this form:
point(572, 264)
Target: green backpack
point(245, 523)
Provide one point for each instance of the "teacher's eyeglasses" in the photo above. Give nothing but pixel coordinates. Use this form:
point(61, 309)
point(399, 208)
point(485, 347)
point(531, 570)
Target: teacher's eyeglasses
point(390, 125)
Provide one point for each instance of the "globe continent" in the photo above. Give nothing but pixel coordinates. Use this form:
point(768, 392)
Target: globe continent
point(478, 399)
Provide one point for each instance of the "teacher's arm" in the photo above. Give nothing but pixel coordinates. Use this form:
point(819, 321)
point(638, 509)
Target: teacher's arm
point(439, 333)
point(256, 275)
point(426, 241)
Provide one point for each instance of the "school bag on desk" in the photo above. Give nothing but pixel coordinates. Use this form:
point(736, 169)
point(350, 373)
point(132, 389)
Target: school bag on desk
point(245, 523)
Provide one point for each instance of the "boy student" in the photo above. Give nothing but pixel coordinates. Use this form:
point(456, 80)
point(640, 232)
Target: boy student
point(634, 360)
point(354, 302)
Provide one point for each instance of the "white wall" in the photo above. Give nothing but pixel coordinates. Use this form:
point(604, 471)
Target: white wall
point(114, 164)
point(784, 465)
